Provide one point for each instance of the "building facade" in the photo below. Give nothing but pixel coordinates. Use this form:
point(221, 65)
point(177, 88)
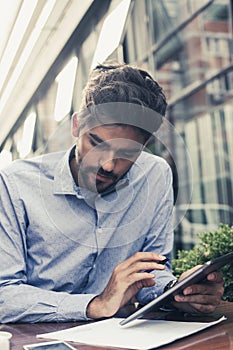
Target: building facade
point(187, 45)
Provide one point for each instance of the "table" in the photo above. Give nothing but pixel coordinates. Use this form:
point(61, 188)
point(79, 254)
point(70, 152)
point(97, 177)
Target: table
point(218, 337)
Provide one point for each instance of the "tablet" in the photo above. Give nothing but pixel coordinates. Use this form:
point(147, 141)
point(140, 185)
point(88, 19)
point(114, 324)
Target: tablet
point(53, 345)
point(195, 277)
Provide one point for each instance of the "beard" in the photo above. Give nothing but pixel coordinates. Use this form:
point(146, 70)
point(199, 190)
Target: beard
point(94, 179)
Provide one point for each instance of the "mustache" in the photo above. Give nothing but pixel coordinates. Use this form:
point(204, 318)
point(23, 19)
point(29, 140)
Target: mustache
point(100, 171)
point(109, 174)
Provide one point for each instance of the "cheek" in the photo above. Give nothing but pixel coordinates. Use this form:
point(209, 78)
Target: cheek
point(83, 147)
point(122, 166)
point(87, 154)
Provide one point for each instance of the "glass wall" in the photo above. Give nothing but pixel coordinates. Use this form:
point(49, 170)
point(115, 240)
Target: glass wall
point(187, 46)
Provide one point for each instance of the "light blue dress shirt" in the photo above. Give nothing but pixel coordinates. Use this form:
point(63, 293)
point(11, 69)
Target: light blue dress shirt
point(59, 244)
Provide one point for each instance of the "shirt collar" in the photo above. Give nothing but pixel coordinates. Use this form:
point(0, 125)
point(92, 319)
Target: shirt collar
point(64, 182)
point(63, 179)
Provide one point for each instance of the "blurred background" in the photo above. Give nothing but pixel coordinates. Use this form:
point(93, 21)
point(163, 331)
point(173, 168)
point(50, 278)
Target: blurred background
point(47, 48)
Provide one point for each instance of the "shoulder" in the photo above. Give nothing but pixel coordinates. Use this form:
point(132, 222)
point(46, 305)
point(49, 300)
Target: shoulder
point(42, 163)
point(153, 169)
point(149, 161)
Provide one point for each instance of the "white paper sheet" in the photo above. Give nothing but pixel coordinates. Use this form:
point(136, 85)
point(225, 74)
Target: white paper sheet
point(139, 334)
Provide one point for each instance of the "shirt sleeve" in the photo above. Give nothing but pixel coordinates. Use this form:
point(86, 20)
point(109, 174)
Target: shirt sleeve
point(160, 236)
point(19, 301)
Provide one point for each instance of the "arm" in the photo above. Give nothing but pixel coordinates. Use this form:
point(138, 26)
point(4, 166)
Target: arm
point(20, 301)
point(128, 280)
point(160, 237)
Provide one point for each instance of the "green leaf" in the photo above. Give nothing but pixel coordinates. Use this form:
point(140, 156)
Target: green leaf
point(211, 245)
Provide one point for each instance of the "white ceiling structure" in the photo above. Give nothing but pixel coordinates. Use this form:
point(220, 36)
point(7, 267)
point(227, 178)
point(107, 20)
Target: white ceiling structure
point(33, 33)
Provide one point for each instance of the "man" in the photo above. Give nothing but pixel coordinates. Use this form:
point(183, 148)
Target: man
point(81, 231)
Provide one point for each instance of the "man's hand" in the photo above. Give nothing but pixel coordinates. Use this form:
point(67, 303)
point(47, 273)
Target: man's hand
point(203, 297)
point(126, 280)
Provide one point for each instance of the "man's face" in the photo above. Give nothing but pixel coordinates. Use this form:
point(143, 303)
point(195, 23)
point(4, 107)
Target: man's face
point(104, 154)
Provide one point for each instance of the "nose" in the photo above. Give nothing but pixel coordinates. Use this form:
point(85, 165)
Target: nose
point(107, 161)
point(108, 165)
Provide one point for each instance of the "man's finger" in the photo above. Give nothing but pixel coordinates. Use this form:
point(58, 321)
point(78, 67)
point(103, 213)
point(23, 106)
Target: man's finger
point(215, 277)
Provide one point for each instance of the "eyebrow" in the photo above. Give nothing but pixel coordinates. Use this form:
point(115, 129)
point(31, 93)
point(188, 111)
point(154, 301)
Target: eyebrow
point(99, 140)
point(96, 137)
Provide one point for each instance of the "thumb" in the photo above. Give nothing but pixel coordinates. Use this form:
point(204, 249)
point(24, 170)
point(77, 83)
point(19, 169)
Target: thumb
point(215, 277)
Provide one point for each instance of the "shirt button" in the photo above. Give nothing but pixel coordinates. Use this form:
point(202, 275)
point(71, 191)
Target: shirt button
point(99, 230)
point(94, 266)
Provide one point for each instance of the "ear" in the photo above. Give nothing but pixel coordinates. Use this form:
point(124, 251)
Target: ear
point(75, 125)
point(145, 144)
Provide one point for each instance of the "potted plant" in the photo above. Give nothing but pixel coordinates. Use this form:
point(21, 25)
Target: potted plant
point(211, 245)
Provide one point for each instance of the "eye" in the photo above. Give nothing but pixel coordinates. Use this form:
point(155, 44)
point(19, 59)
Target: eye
point(92, 142)
point(95, 143)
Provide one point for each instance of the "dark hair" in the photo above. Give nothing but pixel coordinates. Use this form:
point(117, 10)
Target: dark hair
point(123, 83)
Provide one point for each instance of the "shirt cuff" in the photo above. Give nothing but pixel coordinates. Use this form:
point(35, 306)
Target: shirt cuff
point(73, 307)
point(145, 295)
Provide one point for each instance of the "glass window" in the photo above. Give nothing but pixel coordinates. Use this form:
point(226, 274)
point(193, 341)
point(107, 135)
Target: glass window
point(85, 56)
point(111, 35)
point(192, 143)
point(5, 158)
point(137, 42)
point(164, 15)
point(217, 35)
point(207, 159)
point(223, 163)
point(217, 90)
point(196, 216)
point(25, 143)
point(186, 50)
point(65, 85)
point(228, 111)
